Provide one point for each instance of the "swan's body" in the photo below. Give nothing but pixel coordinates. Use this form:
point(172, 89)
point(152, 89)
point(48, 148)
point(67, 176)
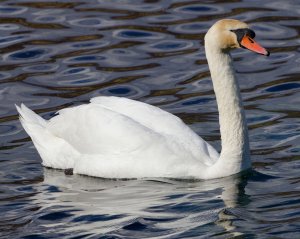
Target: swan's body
point(115, 137)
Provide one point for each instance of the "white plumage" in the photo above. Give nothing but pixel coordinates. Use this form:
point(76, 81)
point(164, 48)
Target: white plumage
point(111, 137)
point(116, 137)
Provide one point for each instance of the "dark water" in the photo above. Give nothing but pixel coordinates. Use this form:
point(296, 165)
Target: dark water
point(56, 54)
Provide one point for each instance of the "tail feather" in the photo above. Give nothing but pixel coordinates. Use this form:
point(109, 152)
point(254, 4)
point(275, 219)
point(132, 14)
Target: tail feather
point(27, 116)
point(33, 124)
point(55, 152)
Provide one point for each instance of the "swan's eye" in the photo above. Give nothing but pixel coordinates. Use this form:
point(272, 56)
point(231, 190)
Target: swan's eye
point(251, 33)
point(240, 33)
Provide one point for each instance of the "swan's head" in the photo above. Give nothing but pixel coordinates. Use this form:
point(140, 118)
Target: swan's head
point(229, 34)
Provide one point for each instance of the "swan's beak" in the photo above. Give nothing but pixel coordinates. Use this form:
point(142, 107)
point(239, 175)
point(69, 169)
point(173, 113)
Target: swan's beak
point(250, 44)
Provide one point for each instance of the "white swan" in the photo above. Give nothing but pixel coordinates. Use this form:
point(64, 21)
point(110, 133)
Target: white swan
point(116, 137)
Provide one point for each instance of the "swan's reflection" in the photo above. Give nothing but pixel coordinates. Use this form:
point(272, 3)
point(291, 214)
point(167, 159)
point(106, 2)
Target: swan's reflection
point(104, 206)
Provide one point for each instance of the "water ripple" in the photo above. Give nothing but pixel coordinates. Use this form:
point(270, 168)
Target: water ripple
point(200, 9)
point(57, 54)
point(36, 53)
point(136, 34)
point(10, 10)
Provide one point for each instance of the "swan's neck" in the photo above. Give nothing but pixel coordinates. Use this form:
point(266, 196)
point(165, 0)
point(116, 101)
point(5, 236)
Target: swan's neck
point(235, 154)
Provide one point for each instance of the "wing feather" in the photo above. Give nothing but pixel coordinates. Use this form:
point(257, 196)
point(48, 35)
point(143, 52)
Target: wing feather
point(161, 122)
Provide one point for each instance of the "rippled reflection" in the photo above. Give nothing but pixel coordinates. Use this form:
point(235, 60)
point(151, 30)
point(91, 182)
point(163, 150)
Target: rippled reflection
point(170, 208)
point(56, 54)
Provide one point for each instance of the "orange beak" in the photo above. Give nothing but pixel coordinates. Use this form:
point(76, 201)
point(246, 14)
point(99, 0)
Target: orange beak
point(252, 45)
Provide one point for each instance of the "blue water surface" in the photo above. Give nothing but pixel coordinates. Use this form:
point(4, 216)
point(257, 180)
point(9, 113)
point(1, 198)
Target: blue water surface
point(57, 54)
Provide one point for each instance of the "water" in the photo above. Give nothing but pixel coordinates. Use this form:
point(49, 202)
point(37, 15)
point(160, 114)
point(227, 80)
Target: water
point(56, 54)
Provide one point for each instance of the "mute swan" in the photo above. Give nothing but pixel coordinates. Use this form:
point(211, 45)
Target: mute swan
point(115, 137)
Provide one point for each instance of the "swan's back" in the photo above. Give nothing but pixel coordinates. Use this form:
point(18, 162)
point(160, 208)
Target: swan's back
point(162, 122)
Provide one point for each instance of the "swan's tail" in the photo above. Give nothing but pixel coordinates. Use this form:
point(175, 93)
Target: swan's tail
point(30, 120)
point(54, 151)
